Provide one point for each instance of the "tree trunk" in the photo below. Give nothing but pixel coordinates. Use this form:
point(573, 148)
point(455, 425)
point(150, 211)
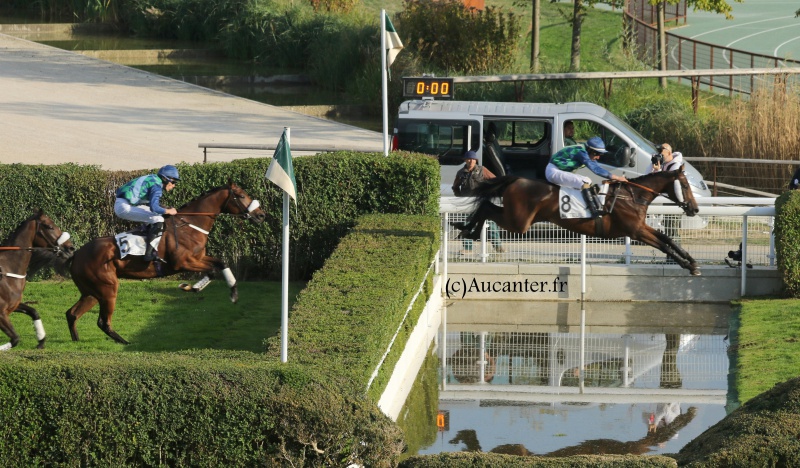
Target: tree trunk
point(662, 45)
point(535, 17)
point(577, 20)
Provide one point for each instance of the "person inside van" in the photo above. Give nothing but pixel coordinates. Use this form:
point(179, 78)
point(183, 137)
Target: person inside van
point(560, 170)
point(467, 179)
point(569, 133)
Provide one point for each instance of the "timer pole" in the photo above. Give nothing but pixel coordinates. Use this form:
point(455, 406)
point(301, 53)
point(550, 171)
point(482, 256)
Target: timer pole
point(384, 86)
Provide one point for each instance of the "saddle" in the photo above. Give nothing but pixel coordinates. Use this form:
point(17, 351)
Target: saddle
point(133, 242)
point(572, 205)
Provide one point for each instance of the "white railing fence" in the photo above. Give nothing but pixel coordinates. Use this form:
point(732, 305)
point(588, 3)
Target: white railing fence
point(722, 224)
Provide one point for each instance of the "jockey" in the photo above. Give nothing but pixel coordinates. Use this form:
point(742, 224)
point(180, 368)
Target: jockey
point(140, 200)
point(560, 169)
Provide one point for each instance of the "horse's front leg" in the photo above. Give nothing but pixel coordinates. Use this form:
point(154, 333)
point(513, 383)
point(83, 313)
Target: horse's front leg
point(207, 265)
point(37, 323)
point(665, 244)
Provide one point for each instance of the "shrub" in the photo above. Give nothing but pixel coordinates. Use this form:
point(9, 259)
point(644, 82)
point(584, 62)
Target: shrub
point(453, 37)
point(787, 231)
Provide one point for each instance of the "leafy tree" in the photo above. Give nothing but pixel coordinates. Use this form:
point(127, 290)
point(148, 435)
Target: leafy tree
point(453, 37)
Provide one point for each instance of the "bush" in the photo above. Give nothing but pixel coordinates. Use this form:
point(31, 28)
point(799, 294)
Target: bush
point(787, 231)
point(455, 38)
point(185, 409)
point(333, 190)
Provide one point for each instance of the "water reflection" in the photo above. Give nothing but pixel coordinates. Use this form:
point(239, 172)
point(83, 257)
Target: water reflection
point(554, 379)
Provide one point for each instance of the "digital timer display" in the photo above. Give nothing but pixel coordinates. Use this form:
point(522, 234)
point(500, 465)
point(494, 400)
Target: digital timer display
point(428, 87)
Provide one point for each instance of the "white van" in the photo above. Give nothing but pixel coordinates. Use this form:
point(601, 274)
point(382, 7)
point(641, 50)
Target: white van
point(519, 138)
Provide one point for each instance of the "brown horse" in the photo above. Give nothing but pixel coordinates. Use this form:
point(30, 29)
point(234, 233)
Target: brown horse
point(97, 267)
point(527, 201)
point(36, 242)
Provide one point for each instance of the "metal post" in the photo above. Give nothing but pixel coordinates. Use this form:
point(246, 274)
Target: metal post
point(285, 272)
point(744, 255)
point(583, 267)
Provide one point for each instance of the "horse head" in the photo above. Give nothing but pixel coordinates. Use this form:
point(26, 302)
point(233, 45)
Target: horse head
point(680, 192)
point(240, 203)
point(50, 236)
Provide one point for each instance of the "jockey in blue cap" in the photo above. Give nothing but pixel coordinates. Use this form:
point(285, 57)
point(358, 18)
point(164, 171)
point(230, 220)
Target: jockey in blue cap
point(140, 200)
point(562, 165)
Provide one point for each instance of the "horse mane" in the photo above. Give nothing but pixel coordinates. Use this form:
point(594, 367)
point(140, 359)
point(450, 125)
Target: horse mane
point(656, 175)
point(15, 233)
point(207, 192)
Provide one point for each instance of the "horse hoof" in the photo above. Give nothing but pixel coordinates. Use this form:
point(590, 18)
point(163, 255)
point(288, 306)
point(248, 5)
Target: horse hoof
point(696, 272)
point(186, 287)
point(41, 344)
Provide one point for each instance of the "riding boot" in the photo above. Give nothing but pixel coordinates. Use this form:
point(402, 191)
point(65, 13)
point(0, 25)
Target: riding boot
point(150, 253)
point(592, 201)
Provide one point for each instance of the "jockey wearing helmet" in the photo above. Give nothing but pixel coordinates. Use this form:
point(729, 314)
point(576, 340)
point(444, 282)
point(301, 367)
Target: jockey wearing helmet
point(140, 200)
point(560, 170)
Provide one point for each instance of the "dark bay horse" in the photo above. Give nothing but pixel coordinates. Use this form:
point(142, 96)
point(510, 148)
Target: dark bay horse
point(527, 201)
point(36, 242)
point(97, 267)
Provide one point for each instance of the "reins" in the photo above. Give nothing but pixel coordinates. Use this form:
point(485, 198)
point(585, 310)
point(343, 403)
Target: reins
point(648, 189)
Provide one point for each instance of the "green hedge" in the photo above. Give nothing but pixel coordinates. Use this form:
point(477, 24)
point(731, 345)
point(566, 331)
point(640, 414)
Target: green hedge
point(787, 248)
point(189, 409)
point(333, 190)
point(347, 314)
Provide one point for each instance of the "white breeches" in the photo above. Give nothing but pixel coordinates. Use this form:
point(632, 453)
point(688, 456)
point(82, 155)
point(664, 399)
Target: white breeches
point(141, 213)
point(566, 179)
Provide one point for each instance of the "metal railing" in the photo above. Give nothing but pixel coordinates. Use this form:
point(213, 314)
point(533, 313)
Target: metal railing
point(689, 54)
point(722, 224)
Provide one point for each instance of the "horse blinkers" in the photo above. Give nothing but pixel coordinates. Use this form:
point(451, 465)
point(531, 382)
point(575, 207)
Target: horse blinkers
point(62, 246)
point(252, 211)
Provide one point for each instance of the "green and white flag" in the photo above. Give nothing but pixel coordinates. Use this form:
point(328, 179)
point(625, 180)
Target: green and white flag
point(393, 43)
point(280, 170)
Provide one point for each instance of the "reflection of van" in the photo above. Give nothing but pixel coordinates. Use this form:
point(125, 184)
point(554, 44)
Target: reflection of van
point(525, 136)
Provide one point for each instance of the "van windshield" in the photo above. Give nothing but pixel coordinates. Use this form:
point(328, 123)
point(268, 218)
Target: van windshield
point(445, 139)
point(640, 141)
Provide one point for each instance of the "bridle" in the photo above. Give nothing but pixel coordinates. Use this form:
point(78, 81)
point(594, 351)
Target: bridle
point(52, 245)
point(244, 211)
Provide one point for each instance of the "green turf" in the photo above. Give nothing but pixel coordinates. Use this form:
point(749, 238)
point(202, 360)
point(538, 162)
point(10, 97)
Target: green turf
point(768, 345)
point(154, 315)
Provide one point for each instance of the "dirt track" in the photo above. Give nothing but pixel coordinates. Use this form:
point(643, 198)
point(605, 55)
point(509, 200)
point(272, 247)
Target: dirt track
point(58, 106)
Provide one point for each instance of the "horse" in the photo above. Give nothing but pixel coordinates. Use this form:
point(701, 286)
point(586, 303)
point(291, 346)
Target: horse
point(36, 242)
point(97, 266)
point(528, 201)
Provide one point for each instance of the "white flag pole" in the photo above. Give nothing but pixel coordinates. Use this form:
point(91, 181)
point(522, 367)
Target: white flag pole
point(285, 272)
point(384, 86)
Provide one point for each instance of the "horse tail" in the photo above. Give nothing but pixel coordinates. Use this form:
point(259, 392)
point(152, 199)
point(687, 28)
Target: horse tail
point(493, 188)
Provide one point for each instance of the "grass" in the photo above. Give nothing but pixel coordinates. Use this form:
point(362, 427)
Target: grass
point(768, 345)
point(156, 316)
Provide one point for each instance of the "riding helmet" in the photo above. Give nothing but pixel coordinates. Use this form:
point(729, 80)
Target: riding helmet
point(596, 144)
point(169, 173)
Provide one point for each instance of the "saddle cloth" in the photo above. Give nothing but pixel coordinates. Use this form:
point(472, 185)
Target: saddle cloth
point(131, 243)
point(571, 204)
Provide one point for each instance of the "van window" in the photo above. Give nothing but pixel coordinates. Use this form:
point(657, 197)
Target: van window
point(615, 145)
point(445, 139)
point(521, 134)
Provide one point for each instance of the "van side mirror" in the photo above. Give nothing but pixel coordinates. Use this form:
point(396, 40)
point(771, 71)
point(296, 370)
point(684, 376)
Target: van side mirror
point(629, 157)
point(622, 157)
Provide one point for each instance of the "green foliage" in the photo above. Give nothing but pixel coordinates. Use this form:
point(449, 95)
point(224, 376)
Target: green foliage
point(787, 231)
point(333, 190)
point(455, 38)
point(200, 408)
point(382, 261)
point(762, 432)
